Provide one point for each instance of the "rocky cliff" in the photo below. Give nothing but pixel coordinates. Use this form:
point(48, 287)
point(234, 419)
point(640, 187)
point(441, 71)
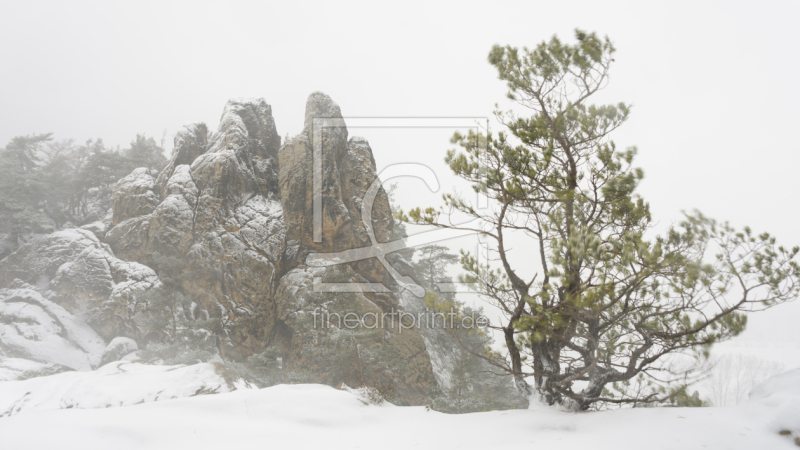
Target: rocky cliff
point(236, 206)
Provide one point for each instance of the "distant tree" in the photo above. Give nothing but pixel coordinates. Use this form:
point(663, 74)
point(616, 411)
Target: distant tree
point(475, 385)
point(59, 164)
point(600, 302)
point(399, 231)
point(95, 179)
point(54, 150)
point(732, 377)
point(145, 152)
point(45, 185)
point(22, 187)
point(432, 263)
point(78, 180)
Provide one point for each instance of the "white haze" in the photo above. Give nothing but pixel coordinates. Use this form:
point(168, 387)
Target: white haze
point(713, 86)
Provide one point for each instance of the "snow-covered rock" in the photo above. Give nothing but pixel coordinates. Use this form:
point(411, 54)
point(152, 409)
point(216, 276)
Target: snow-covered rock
point(35, 328)
point(236, 207)
point(75, 270)
point(779, 398)
point(134, 196)
point(121, 383)
point(117, 349)
point(12, 369)
point(99, 228)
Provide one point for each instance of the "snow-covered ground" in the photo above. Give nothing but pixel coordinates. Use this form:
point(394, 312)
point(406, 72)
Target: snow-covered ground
point(121, 383)
point(320, 417)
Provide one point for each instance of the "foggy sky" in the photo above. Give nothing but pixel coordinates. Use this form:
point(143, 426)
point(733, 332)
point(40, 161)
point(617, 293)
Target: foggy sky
point(713, 84)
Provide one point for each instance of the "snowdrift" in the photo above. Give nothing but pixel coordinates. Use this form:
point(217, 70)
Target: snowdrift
point(779, 399)
point(120, 383)
point(315, 416)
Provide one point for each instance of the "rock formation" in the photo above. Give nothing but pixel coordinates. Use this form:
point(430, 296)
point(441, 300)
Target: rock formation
point(237, 207)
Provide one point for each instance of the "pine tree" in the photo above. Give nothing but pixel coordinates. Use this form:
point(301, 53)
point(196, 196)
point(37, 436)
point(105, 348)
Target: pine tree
point(99, 169)
point(145, 152)
point(431, 265)
point(22, 188)
point(608, 301)
point(58, 166)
